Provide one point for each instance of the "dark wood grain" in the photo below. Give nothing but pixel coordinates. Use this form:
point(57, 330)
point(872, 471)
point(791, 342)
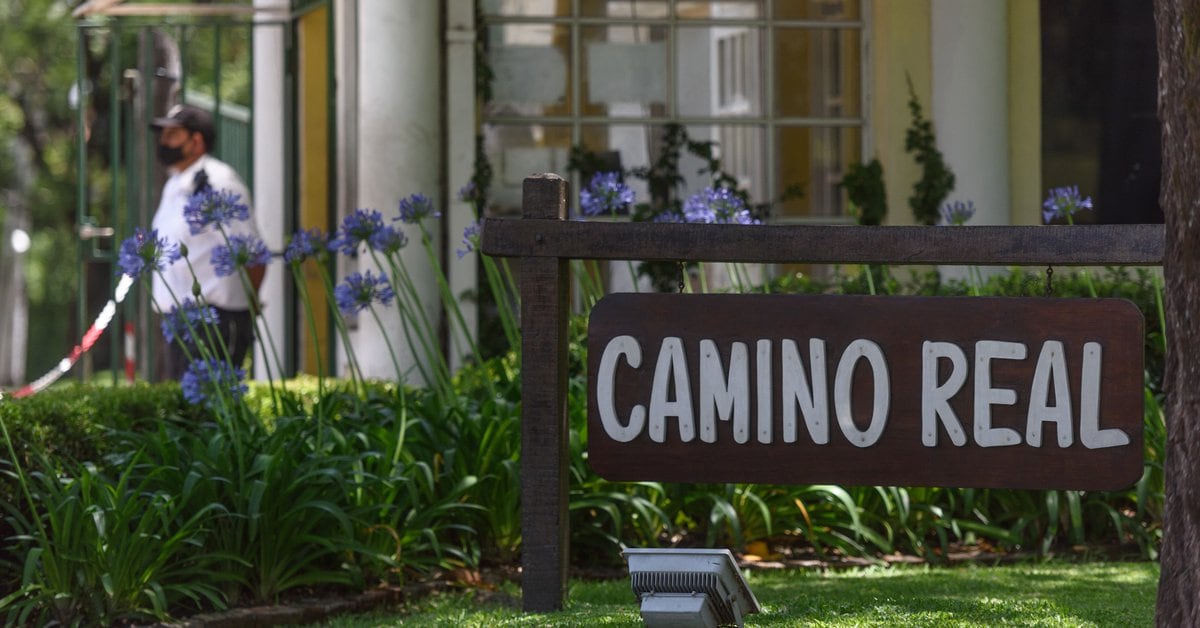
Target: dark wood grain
point(1060, 245)
point(544, 429)
point(899, 325)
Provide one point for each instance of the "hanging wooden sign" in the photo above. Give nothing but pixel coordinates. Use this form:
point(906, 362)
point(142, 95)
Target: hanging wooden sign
point(857, 390)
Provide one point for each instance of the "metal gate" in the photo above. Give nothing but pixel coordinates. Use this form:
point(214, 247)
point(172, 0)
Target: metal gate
point(132, 64)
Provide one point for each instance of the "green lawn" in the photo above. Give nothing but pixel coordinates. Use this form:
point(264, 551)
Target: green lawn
point(1048, 594)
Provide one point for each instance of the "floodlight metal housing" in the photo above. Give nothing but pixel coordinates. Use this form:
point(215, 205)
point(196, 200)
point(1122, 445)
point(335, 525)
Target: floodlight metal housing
point(689, 587)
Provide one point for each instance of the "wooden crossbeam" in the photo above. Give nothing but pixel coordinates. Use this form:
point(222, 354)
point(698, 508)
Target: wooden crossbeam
point(1081, 245)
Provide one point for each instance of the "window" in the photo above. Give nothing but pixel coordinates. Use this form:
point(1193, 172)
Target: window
point(776, 84)
point(1100, 127)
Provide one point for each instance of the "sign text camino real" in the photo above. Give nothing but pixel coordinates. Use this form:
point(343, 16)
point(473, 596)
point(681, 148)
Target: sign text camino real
point(973, 392)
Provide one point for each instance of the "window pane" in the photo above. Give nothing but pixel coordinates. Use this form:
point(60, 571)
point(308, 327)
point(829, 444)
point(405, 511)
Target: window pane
point(817, 10)
point(816, 159)
point(719, 71)
point(741, 150)
point(623, 8)
point(721, 10)
point(817, 72)
point(531, 69)
point(615, 148)
point(516, 151)
point(522, 8)
point(743, 153)
point(624, 71)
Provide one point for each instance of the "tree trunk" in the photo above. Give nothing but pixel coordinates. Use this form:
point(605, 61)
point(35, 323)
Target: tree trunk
point(1178, 27)
point(14, 302)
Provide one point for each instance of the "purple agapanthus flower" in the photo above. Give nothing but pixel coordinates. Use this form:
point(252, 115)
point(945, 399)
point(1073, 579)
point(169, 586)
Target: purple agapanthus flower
point(144, 252)
point(208, 381)
point(305, 244)
point(958, 212)
point(357, 227)
point(1064, 202)
point(605, 194)
point(468, 192)
point(214, 207)
point(360, 290)
point(717, 206)
point(669, 216)
point(470, 239)
point(416, 208)
point(242, 251)
point(187, 318)
point(388, 240)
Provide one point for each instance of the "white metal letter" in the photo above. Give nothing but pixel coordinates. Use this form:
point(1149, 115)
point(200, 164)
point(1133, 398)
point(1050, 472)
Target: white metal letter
point(986, 396)
point(814, 400)
point(722, 395)
point(862, 348)
point(672, 364)
point(935, 398)
point(1090, 433)
point(763, 378)
point(606, 387)
point(1051, 363)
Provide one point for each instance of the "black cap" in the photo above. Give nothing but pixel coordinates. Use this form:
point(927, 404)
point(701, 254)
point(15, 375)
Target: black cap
point(191, 118)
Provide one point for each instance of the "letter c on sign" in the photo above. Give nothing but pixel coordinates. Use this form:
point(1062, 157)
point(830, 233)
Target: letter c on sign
point(606, 389)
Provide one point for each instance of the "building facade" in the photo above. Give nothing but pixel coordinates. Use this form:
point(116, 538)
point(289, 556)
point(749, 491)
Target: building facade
point(361, 103)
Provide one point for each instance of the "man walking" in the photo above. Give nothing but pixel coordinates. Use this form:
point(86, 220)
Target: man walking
point(186, 137)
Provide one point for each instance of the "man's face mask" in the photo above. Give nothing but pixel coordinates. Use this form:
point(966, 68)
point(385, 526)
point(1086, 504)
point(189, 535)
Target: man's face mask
point(169, 155)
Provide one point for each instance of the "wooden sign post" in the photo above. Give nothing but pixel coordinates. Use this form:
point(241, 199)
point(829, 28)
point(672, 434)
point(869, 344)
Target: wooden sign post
point(544, 428)
point(1019, 358)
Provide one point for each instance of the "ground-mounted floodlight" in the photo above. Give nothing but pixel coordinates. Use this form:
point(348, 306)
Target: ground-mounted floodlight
point(689, 587)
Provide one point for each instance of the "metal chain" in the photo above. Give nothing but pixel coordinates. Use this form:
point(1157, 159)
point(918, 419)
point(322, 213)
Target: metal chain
point(1049, 278)
point(682, 276)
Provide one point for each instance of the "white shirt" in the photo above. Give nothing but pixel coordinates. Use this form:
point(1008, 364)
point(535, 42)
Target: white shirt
point(224, 292)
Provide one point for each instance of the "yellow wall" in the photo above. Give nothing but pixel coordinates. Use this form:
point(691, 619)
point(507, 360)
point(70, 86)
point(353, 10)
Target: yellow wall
point(901, 43)
point(1025, 111)
point(312, 154)
point(900, 46)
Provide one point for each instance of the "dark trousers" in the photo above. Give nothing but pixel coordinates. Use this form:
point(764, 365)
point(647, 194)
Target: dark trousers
point(236, 328)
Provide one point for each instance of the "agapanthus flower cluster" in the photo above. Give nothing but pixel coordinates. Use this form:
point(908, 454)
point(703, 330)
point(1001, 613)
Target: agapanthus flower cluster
point(470, 239)
point(605, 194)
point(214, 207)
point(388, 240)
point(144, 252)
point(241, 251)
point(305, 244)
point(209, 381)
point(958, 212)
point(468, 193)
point(416, 208)
point(186, 319)
point(717, 206)
point(357, 227)
point(1064, 202)
point(360, 290)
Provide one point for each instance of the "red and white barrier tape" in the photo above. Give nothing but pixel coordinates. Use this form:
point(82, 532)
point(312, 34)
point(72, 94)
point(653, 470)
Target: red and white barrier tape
point(93, 334)
point(130, 352)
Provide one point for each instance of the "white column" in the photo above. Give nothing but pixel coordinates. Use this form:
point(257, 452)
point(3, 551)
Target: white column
point(460, 90)
point(970, 102)
point(400, 148)
point(269, 176)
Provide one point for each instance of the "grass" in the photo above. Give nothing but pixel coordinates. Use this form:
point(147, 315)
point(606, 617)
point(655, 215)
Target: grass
point(1041, 594)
